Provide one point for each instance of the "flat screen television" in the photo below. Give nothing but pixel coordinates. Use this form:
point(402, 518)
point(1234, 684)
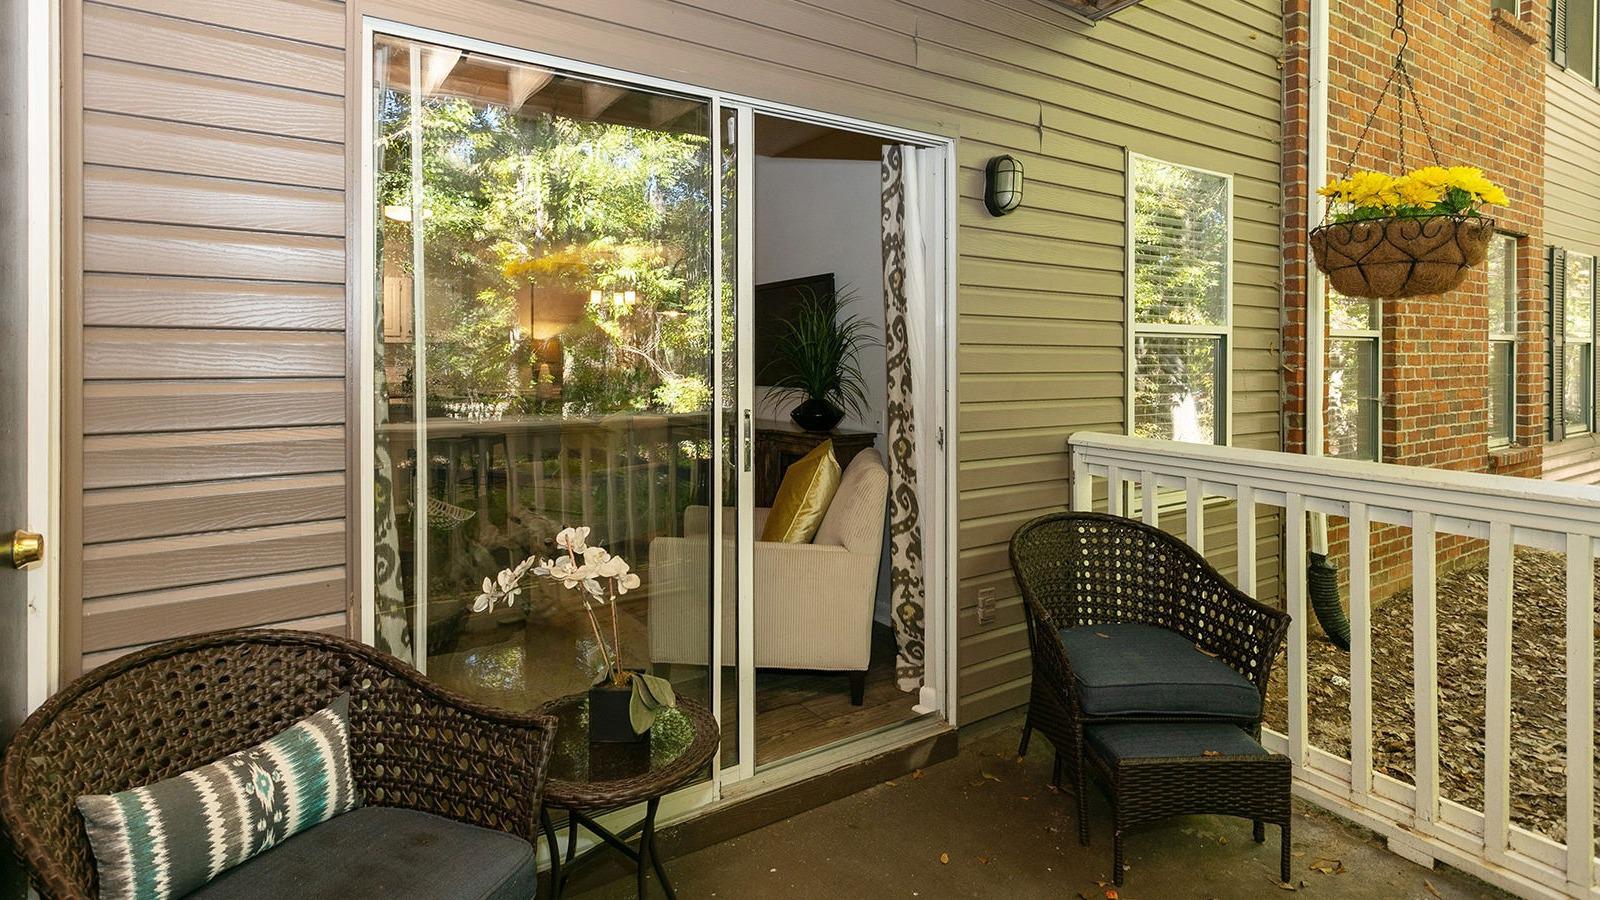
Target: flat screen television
point(776, 303)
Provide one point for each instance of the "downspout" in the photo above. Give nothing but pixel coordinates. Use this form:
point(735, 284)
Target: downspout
point(1322, 580)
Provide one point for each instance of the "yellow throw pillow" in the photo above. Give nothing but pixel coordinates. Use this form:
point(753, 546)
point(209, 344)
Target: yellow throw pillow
point(808, 487)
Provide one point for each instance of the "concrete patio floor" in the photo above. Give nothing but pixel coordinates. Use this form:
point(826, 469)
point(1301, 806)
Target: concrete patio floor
point(1007, 835)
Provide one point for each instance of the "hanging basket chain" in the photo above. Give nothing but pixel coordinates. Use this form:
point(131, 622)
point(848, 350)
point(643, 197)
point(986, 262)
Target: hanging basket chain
point(1401, 83)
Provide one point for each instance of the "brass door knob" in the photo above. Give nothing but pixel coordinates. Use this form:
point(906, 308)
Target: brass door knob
point(22, 549)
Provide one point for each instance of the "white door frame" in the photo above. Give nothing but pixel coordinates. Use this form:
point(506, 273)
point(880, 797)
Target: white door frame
point(940, 550)
point(44, 366)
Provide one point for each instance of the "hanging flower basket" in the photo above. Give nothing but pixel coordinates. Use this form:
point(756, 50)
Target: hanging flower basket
point(1401, 256)
point(1420, 233)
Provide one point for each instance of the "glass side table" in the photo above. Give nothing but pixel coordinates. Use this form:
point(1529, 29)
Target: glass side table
point(588, 780)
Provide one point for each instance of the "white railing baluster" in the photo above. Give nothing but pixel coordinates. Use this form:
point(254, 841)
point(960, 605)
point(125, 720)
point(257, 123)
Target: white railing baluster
point(1360, 653)
point(1246, 527)
point(1580, 714)
point(1497, 697)
point(1114, 492)
point(1081, 498)
point(1194, 514)
point(1425, 668)
point(1294, 575)
point(1149, 498)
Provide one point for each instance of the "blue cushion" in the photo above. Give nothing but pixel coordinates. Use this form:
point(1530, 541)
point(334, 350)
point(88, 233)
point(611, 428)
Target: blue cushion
point(388, 852)
point(1130, 671)
point(1118, 741)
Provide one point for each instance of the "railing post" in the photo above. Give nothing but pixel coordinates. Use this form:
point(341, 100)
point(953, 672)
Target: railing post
point(1246, 527)
point(1425, 669)
point(1150, 499)
point(1081, 497)
point(1497, 698)
point(1194, 514)
point(1295, 579)
point(1580, 714)
point(1114, 492)
point(1360, 543)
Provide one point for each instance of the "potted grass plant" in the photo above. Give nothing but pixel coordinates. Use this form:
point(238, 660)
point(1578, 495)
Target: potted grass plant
point(623, 703)
point(1415, 234)
point(819, 354)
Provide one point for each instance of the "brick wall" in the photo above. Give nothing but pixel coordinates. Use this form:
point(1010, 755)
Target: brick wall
point(1480, 75)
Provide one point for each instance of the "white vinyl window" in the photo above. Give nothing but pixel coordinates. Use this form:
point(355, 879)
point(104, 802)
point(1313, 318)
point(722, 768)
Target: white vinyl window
point(1503, 286)
point(1180, 262)
point(1354, 377)
point(1577, 387)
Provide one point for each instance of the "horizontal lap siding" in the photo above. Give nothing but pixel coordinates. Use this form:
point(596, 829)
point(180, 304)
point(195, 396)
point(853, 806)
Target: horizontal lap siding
point(1040, 331)
point(1572, 220)
point(212, 350)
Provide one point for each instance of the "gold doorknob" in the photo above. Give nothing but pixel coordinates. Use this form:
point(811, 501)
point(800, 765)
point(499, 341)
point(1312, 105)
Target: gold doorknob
point(22, 549)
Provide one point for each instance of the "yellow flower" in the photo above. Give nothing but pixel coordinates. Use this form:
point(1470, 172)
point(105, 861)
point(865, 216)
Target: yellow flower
point(1436, 177)
point(1335, 188)
point(1372, 190)
point(1414, 192)
point(1495, 196)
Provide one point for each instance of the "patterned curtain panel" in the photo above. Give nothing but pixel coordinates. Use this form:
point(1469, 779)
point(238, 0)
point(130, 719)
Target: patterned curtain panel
point(905, 298)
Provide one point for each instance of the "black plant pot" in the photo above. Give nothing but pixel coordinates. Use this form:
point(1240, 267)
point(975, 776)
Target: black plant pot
point(817, 415)
point(609, 721)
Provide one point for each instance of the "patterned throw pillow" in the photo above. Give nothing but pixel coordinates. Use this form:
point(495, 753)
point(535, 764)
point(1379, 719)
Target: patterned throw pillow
point(169, 838)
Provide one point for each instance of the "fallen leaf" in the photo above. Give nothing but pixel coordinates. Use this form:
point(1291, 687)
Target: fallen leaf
point(1210, 753)
point(983, 860)
point(1327, 866)
point(944, 859)
point(1223, 839)
point(915, 775)
point(1111, 894)
point(1102, 634)
point(1286, 886)
point(1431, 889)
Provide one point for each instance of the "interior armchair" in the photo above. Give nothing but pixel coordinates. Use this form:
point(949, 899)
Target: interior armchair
point(813, 602)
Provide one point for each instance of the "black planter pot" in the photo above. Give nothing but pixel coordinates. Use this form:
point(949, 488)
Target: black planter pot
point(609, 722)
point(817, 415)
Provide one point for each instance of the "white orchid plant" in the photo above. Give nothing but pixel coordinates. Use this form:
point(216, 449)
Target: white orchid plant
point(600, 578)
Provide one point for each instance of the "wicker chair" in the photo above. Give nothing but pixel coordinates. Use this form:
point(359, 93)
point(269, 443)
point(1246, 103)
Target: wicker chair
point(1093, 569)
point(175, 706)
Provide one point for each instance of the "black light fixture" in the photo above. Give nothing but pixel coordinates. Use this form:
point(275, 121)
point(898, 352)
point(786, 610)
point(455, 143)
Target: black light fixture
point(1002, 189)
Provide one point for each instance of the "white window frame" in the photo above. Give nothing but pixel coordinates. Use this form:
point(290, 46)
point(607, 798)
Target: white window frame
point(1375, 336)
point(1508, 436)
point(1133, 329)
point(1587, 424)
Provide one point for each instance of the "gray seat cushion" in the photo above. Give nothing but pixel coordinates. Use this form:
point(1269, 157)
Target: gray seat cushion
point(1131, 671)
point(1118, 741)
point(384, 852)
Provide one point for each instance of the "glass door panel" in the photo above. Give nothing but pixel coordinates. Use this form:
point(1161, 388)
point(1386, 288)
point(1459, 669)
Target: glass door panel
point(546, 356)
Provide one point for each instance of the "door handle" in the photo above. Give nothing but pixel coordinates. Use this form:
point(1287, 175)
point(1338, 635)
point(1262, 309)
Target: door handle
point(22, 549)
point(749, 440)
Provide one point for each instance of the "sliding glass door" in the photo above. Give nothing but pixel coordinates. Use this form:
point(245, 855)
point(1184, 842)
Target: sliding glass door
point(548, 335)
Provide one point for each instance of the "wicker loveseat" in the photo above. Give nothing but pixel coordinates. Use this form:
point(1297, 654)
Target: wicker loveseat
point(423, 759)
point(1128, 623)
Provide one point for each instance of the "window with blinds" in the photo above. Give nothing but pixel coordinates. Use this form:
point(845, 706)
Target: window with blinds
point(1572, 35)
point(1577, 351)
point(1180, 319)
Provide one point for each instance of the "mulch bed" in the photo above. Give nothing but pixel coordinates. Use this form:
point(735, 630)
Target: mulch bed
point(1538, 690)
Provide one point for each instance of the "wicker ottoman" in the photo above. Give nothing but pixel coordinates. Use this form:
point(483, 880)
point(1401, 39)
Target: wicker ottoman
point(1160, 769)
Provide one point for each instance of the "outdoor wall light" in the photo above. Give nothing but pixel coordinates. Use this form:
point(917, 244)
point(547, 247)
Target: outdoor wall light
point(1002, 191)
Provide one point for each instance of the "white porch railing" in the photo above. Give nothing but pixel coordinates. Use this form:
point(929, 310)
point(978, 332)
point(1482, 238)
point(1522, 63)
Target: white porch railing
point(1506, 512)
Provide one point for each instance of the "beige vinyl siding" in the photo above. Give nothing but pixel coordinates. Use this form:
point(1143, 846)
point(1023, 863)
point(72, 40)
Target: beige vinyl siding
point(1572, 220)
point(1040, 328)
point(207, 385)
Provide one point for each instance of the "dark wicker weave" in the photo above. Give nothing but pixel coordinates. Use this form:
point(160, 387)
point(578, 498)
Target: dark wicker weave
point(1089, 569)
point(175, 706)
point(1145, 790)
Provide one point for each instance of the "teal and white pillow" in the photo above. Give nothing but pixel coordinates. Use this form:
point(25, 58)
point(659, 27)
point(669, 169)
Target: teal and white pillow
point(170, 838)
